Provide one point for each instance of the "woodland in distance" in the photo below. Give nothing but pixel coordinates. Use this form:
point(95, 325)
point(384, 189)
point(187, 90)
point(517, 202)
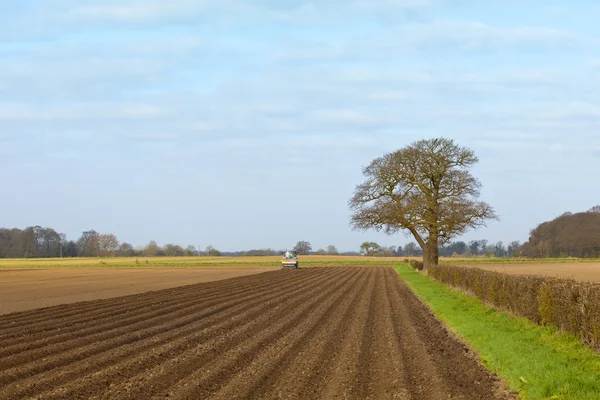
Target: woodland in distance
point(569, 235)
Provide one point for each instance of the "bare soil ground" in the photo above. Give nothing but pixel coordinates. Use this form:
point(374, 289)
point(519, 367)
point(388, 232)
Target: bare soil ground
point(26, 289)
point(352, 333)
point(586, 272)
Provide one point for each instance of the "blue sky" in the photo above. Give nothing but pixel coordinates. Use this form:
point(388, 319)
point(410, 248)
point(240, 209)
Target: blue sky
point(214, 122)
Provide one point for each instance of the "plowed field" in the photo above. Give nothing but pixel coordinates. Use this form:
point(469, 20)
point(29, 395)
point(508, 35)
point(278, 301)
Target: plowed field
point(30, 288)
point(311, 333)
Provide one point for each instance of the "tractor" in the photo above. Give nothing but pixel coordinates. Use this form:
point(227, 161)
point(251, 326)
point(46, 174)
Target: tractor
point(289, 259)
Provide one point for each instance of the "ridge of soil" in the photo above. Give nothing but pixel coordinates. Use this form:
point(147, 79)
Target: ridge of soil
point(316, 333)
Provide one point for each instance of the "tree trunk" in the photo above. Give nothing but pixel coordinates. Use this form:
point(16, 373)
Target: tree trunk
point(431, 252)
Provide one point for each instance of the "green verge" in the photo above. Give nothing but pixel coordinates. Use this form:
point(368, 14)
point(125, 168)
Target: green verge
point(536, 361)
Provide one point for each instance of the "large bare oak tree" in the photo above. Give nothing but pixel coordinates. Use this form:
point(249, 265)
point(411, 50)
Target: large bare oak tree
point(426, 189)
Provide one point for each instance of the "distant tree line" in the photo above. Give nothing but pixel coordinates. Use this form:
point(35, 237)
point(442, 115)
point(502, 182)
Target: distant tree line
point(452, 249)
point(569, 235)
point(39, 242)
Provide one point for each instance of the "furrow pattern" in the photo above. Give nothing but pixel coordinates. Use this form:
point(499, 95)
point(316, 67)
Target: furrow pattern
point(313, 333)
point(115, 320)
point(205, 369)
point(44, 320)
point(288, 367)
point(130, 337)
point(118, 364)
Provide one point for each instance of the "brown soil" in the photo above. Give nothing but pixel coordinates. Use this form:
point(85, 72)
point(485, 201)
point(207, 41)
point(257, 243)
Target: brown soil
point(585, 272)
point(27, 289)
point(352, 333)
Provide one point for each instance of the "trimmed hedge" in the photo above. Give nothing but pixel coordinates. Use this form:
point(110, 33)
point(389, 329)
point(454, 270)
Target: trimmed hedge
point(418, 265)
point(569, 305)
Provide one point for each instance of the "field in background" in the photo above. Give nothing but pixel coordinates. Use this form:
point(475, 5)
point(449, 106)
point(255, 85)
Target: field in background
point(312, 260)
point(581, 271)
point(26, 289)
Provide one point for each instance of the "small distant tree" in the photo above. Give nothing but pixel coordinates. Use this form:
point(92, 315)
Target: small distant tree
point(595, 209)
point(332, 250)
point(499, 250)
point(152, 249)
point(126, 250)
point(321, 252)
point(411, 249)
point(386, 251)
point(191, 251)
point(303, 247)
point(514, 248)
point(173, 250)
point(212, 252)
point(108, 244)
point(369, 248)
point(474, 247)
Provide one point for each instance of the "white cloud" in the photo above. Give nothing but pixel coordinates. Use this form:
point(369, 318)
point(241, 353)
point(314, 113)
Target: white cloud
point(66, 113)
point(388, 95)
point(135, 11)
point(472, 35)
point(378, 4)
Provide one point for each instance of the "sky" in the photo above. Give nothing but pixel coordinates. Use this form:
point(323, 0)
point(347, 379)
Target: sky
point(246, 124)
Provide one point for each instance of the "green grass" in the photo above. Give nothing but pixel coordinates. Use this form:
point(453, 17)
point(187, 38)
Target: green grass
point(536, 361)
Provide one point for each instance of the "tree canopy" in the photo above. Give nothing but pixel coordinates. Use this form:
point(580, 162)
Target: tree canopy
point(303, 247)
point(426, 189)
point(569, 235)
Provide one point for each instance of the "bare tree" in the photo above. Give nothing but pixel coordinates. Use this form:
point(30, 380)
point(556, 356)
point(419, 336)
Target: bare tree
point(513, 248)
point(426, 189)
point(386, 251)
point(303, 247)
point(411, 249)
point(152, 249)
point(332, 250)
point(212, 252)
point(108, 244)
point(126, 250)
point(89, 244)
point(569, 235)
point(173, 250)
point(191, 251)
point(369, 248)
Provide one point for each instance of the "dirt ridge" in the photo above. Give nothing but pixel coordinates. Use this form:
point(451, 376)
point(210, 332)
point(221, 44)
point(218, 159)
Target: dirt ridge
point(314, 333)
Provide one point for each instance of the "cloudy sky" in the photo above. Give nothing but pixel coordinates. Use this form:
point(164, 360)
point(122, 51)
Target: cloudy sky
point(245, 124)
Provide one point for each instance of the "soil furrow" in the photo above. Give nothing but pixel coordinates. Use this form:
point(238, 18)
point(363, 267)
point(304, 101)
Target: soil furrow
point(47, 314)
point(313, 333)
point(44, 320)
point(128, 360)
point(77, 353)
point(386, 366)
point(440, 365)
point(343, 376)
point(363, 373)
point(209, 368)
point(80, 331)
point(278, 370)
point(309, 373)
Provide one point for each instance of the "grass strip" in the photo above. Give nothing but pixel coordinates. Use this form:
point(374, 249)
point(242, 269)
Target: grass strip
point(536, 361)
